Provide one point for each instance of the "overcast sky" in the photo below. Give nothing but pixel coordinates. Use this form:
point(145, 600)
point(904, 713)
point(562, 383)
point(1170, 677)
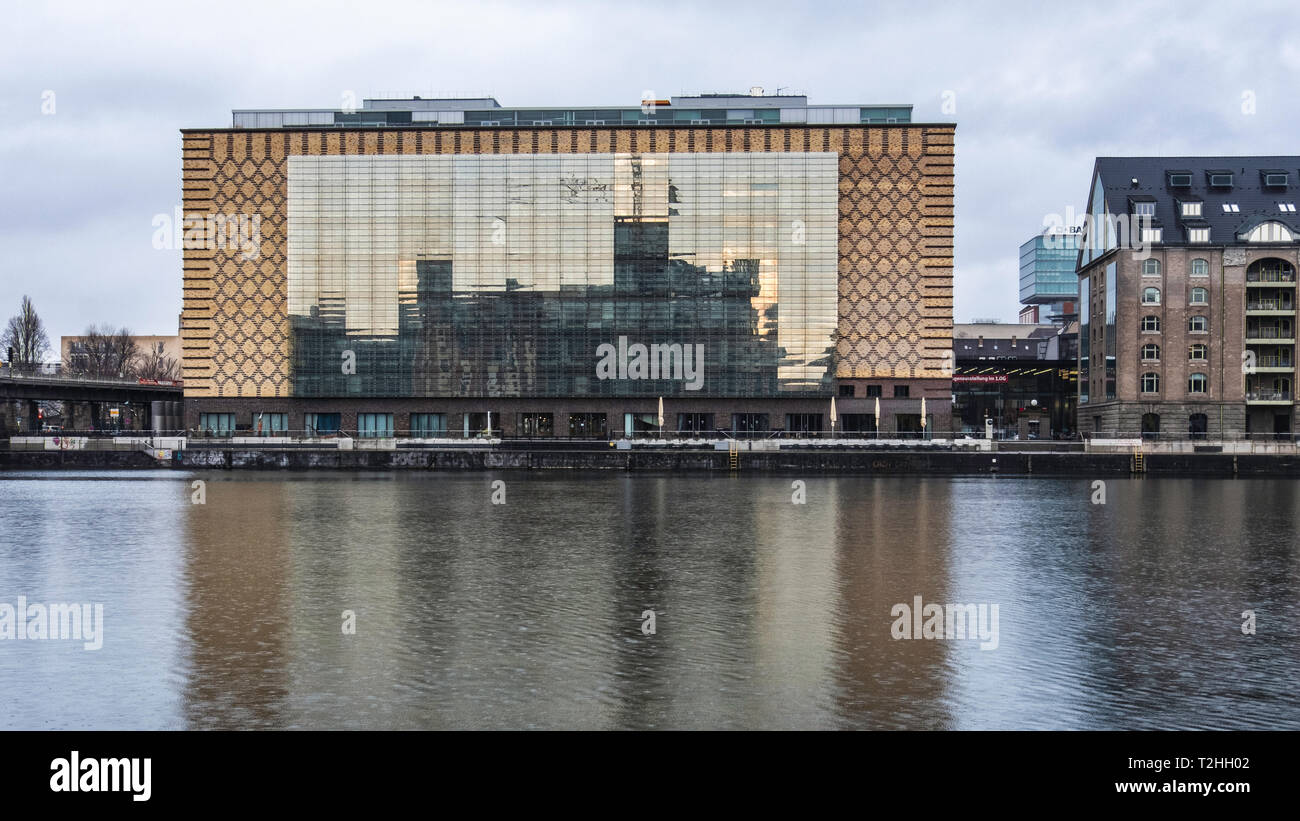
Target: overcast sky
point(1039, 93)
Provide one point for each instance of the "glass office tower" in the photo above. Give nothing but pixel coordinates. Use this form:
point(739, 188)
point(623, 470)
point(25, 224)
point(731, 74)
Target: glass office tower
point(1047, 276)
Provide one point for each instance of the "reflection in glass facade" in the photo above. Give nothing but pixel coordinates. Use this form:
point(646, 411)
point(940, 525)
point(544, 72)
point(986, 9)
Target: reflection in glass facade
point(1109, 335)
point(1099, 234)
point(491, 275)
point(1085, 339)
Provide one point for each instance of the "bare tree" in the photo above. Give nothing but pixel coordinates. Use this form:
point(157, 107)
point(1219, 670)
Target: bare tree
point(154, 364)
point(25, 334)
point(123, 352)
point(103, 352)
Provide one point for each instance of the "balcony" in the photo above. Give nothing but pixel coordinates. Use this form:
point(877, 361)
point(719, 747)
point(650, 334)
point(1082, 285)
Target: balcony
point(1270, 277)
point(1264, 307)
point(1268, 397)
point(1262, 334)
point(1274, 363)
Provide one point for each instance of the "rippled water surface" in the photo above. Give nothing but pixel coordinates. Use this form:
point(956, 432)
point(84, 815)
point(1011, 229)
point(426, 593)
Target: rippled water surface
point(768, 614)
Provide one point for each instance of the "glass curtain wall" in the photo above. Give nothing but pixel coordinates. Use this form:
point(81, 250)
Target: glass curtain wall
point(474, 276)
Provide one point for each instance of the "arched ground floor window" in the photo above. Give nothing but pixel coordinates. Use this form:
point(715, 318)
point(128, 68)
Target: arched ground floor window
point(1150, 425)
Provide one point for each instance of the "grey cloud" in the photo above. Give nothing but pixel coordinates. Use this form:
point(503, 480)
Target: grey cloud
point(1039, 94)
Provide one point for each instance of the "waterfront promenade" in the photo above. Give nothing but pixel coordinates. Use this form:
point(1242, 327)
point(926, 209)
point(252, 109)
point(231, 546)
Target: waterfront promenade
point(791, 455)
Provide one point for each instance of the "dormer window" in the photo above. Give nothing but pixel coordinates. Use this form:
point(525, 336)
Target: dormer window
point(1220, 179)
point(1275, 179)
point(1198, 234)
point(1180, 179)
point(1144, 209)
point(1191, 209)
point(1269, 232)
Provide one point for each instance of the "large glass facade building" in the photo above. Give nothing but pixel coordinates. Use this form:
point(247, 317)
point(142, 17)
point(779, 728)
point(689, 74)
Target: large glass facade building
point(430, 272)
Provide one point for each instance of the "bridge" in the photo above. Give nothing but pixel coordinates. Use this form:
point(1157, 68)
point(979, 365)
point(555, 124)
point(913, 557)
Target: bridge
point(85, 400)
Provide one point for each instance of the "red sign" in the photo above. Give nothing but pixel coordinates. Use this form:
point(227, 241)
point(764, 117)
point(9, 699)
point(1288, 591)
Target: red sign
point(982, 378)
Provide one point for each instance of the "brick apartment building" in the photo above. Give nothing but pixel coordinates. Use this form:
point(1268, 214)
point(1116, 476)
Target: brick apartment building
point(1187, 297)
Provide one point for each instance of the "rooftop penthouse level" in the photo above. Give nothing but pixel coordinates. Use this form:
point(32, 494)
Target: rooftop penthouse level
point(755, 108)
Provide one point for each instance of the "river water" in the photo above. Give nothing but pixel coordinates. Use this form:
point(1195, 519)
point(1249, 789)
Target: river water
point(532, 612)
